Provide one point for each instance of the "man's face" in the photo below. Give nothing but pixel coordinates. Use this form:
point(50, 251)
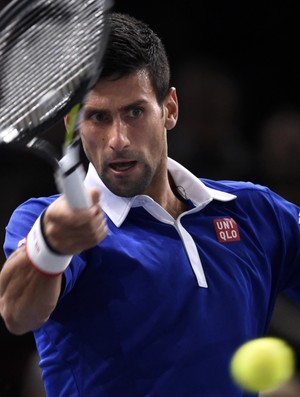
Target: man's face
point(123, 132)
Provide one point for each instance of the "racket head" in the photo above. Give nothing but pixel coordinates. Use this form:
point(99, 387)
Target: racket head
point(50, 57)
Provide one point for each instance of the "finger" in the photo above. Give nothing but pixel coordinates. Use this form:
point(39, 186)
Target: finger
point(95, 195)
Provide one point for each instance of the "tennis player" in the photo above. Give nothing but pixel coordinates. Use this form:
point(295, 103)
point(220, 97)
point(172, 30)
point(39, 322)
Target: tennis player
point(150, 290)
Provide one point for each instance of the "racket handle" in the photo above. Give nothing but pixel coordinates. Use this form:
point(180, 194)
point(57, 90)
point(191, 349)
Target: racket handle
point(71, 180)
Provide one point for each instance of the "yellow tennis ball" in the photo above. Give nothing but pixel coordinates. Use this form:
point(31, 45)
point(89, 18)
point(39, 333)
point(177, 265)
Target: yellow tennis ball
point(263, 364)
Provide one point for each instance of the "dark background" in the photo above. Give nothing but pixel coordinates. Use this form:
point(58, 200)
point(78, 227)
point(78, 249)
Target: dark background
point(256, 42)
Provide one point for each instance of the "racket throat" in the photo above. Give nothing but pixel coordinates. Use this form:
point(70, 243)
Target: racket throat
point(44, 150)
point(70, 178)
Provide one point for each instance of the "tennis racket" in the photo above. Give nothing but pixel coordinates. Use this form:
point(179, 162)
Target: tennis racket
point(50, 57)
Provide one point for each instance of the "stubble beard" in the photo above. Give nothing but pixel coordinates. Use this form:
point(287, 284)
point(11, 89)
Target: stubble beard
point(128, 187)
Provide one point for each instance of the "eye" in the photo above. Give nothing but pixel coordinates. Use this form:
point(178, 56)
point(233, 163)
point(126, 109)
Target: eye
point(136, 112)
point(96, 116)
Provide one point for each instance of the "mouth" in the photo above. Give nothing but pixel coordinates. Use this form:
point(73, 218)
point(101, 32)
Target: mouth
point(122, 167)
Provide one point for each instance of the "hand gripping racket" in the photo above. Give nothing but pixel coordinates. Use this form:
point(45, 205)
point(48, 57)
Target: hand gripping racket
point(50, 57)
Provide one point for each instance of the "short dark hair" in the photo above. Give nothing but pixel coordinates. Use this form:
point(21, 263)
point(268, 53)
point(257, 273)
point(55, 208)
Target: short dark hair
point(133, 46)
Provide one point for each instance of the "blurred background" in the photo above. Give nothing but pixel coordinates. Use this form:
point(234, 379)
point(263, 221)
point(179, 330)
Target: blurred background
point(235, 65)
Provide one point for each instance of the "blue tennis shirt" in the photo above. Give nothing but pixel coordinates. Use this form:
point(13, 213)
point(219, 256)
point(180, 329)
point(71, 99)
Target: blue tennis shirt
point(158, 308)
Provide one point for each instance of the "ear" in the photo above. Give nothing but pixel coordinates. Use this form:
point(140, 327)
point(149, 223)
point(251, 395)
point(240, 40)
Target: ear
point(66, 119)
point(171, 109)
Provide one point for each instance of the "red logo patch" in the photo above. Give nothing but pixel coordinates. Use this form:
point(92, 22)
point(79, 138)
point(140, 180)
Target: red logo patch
point(227, 230)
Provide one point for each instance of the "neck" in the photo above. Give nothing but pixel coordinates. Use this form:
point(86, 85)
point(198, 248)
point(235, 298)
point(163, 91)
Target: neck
point(165, 192)
point(177, 204)
point(170, 199)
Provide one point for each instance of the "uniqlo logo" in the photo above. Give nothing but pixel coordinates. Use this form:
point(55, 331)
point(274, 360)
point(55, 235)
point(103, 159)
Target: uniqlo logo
point(227, 230)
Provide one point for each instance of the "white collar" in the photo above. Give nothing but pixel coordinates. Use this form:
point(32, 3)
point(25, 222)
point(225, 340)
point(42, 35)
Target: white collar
point(189, 186)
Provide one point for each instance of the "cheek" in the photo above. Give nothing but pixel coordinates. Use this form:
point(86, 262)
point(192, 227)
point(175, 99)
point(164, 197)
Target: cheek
point(90, 139)
point(157, 145)
point(91, 146)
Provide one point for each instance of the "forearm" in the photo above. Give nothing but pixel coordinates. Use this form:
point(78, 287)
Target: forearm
point(27, 297)
point(31, 279)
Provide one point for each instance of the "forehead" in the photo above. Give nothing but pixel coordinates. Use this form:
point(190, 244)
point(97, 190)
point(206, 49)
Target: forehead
point(127, 89)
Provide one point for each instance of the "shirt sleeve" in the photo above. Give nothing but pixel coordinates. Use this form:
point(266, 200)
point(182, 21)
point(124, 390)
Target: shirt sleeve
point(287, 248)
point(21, 221)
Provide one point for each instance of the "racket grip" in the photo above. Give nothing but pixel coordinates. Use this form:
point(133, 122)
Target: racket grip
point(71, 180)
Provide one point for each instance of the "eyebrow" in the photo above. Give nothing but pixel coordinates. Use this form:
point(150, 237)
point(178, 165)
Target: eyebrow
point(122, 109)
point(133, 104)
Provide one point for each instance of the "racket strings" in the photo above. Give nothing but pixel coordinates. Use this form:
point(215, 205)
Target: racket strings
point(32, 52)
point(19, 44)
point(67, 68)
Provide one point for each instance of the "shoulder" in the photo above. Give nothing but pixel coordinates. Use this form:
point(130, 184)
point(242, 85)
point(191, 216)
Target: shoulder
point(255, 200)
point(247, 191)
point(33, 207)
point(236, 187)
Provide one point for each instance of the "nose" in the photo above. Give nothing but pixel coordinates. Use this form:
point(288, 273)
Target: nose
point(118, 137)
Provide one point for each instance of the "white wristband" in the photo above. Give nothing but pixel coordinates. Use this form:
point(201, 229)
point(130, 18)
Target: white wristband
point(41, 256)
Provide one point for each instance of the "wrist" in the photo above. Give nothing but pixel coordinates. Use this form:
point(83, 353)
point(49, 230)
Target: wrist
point(41, 255)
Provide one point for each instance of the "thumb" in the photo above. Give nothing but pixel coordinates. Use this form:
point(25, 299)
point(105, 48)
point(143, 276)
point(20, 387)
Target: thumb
point(95, 195)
